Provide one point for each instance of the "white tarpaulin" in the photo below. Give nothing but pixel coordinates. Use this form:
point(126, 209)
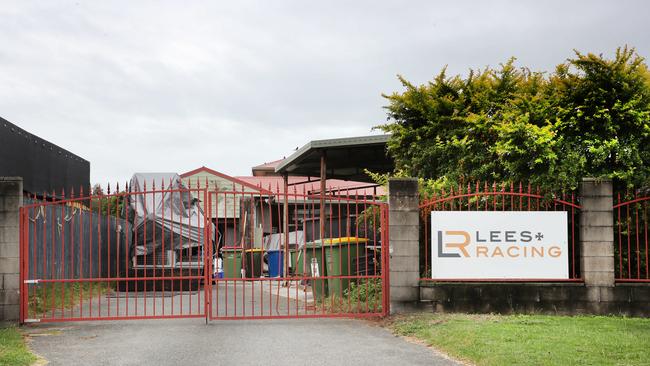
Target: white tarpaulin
point(274, 241)
point(168, 216)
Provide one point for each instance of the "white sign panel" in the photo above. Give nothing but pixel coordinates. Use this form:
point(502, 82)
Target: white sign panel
point(498, 245)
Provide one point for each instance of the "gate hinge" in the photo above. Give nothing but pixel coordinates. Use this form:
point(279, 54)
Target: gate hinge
point(32, 320)
point(31, 281)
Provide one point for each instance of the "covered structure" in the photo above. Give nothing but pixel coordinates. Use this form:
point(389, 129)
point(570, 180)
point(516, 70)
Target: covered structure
point(343, 158)
point(170, 216)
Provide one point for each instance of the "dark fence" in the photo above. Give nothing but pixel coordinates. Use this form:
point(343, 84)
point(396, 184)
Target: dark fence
point(73, 242)
point(45, 167)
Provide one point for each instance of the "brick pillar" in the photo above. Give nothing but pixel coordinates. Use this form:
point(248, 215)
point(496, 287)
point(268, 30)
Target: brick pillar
point(597, 232)
point(11, 199)
point(404, 226)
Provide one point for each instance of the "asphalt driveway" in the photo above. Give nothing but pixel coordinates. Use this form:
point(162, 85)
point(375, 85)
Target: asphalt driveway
point(192, 342)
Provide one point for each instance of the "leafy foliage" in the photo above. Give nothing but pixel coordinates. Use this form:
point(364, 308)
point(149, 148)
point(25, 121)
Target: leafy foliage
point(366, 292)
point(590, 117)
point(108, 205)
point(362, 297)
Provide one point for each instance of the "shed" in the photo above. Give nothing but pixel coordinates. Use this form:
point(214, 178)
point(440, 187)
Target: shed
point(213, 180)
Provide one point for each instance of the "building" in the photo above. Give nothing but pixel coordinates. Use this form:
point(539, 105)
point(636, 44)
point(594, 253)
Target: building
point(46, 169)
point(225, 210)
point(266, 169)
point(248, 210)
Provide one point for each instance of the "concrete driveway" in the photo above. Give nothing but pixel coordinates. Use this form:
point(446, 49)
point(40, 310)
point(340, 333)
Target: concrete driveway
point(192, 342)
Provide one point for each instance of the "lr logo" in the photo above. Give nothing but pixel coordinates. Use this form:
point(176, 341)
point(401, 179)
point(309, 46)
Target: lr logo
point(458, 245)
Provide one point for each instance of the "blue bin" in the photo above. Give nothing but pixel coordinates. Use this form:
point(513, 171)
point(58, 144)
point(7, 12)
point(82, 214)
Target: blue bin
point(276, 263)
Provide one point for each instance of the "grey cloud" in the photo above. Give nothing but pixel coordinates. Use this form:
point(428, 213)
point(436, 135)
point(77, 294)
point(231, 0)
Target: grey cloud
point(145, 86)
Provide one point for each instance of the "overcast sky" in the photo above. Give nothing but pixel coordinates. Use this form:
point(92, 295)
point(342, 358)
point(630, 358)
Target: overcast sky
point(138, 86)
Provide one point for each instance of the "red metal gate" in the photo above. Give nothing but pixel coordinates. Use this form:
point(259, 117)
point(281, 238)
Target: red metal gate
point(291, 255)
point(86, 258)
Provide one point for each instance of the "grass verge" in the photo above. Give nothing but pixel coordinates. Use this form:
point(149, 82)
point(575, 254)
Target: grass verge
point(532, 339)
point(13, 350)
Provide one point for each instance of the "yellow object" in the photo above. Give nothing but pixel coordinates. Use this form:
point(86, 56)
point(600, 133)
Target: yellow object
point(345, 240)
point(254, 250)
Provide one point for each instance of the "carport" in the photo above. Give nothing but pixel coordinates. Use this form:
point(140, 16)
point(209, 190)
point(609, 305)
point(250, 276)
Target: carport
point(343, 158)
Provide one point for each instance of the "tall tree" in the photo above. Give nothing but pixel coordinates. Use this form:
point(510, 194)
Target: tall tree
point(590, 117)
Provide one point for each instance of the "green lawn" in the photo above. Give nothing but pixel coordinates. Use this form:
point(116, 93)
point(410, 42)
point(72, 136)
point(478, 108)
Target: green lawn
point(13, 350)
point(532, 339)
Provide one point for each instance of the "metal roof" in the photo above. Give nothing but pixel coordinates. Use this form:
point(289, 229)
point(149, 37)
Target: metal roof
point(346, 158)
point(270, 165)
point(303, 185)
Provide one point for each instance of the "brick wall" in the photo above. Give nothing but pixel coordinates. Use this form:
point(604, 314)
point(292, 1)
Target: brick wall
point(11, 199)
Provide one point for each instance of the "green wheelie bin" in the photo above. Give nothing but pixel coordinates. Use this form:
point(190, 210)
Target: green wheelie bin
point(313, 261)
point(254, 262)
point(340, 257)
point(297, 262)
point(232, 257)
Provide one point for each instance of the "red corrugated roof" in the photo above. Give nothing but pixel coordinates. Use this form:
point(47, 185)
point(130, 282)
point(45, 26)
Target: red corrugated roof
point(269, 165)
point(276, 184)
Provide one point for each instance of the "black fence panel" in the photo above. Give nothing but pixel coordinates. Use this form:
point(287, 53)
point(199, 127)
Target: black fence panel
point(71, 243)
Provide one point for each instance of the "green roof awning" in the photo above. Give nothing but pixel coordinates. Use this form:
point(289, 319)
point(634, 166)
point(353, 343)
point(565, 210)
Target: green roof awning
point(347, 158)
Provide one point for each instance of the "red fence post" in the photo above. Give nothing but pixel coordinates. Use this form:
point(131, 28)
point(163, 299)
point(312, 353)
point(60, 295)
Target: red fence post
point(385, 255)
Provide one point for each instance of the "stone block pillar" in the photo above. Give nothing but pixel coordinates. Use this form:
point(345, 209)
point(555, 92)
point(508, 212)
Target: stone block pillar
point(404, 227)
point(11, 199)
point(597, 232)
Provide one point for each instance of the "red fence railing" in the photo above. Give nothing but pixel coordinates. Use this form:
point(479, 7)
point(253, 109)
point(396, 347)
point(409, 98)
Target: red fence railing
point(334, 262)
point(631, 238)
point(500, 197)
point(79, 262)
point(167, 251)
